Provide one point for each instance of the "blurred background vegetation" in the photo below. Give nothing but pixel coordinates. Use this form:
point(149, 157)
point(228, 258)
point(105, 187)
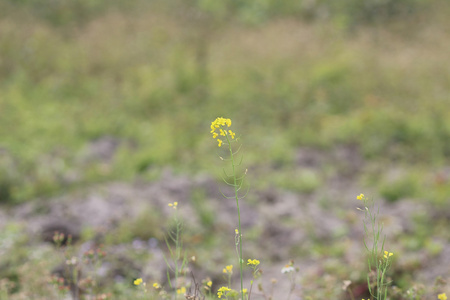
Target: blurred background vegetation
point(357, 91)
point(96, 90)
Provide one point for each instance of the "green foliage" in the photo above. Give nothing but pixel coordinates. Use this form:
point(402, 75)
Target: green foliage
point(203, 210)
point(152, 90)
point(352, 13)
point(403, 187)
point(145, 226)
point(12, 246)
point(304, 180)
point(348, 13)
point(67, 13)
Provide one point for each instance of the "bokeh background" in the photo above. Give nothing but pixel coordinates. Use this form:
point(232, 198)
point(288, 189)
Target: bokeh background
point(330, 98)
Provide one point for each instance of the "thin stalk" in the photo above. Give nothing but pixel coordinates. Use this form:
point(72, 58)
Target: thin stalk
point(239, 217)
point(177, 255)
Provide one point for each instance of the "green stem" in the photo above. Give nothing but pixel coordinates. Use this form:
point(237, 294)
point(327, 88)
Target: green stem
point(177, 253)
point(239, 218)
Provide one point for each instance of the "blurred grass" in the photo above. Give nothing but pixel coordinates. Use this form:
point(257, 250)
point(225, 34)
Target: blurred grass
point(152, 75)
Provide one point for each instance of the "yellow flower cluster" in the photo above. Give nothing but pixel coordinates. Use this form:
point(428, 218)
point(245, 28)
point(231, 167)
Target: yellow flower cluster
point(173, 205)
point(217, 124)
point(442, 296)
point(253, 262)
point(360, 197)
point(228, 269)
point(137, 281)
point(387, 254)
point(156, 285)
point(223, 291)
point(181, 291)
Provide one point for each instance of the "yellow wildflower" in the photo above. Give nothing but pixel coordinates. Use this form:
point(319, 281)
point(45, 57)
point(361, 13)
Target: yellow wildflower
point(228, 269)
point(137, 281)
point(387, 254)
point(181, 290)
point(156, 285)
point(218, 123)
point(253, 262)
point(442, 296)
point(222, 291)
point(209, 283)
point(174, 205)
point(360, 197)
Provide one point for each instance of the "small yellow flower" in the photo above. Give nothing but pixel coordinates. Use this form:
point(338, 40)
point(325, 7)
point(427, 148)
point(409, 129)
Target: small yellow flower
point(228, 269)
point(209, 283)
point(442, 296)
point(137, 281)
point(387, 254)
point(360, 197)
point(181, 290)
point(173, 205)
point(156, 285)
point(253, 262)
point(217, 124)
point(222, 291)
point(244, 291)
